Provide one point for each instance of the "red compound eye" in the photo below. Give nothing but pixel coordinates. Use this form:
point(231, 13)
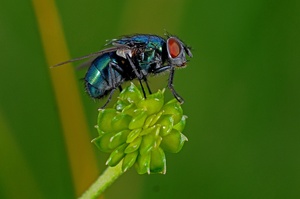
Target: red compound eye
point(174, 47)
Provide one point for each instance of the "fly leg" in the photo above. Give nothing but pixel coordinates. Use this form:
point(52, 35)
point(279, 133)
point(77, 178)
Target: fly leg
point(138, 74)
point(119, 70)
point(170, 81)
point(148, 87)
point(120, 88)
point(171, 87)
point(108, 99)
point(112, 82)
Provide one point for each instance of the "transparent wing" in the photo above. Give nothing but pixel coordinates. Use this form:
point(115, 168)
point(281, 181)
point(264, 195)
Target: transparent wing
point(96, 54)
point(86, 63)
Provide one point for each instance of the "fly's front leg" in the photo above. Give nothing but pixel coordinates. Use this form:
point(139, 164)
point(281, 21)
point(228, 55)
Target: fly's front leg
point(171, 87)
point(170, 81)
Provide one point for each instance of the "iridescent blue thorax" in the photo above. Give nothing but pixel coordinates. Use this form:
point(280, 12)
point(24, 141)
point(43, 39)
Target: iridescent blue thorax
point(149, 41)
point(152, 49)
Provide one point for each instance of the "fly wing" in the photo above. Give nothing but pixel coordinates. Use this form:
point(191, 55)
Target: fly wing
point(92, 55)
point(86, 63)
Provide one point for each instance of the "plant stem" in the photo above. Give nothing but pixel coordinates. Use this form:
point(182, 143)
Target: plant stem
point(103, 181)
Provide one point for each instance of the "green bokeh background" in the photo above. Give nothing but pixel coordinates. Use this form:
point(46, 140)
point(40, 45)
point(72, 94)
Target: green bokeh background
point(241, 91)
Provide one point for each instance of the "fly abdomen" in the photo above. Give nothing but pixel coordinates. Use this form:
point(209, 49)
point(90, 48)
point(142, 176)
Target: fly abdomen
point(101, 77)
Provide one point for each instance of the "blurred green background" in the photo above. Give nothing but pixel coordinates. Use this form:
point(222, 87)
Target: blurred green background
point(241, 92)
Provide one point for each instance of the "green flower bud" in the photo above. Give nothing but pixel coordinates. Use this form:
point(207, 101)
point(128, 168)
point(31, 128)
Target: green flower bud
point(173, 142)
point(116, 156)
point(129, 160)
point(130, 109)
point(143, 163)
point(147, 143)
point(181, 124)
point(138, 121)
point(133, 146)
point(153, 103)
point(120, 122)
point(103, 142)
point(130, 94)
point(158, 161)
point(104, 119)
point(139, 131)
point(118, 139)
point(166, 122)
point(133, 134)
point(173, 108)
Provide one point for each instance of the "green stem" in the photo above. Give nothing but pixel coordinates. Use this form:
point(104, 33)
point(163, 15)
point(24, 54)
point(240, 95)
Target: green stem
point(104, 181)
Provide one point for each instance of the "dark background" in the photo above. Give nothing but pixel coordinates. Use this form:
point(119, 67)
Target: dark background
point(241, 90)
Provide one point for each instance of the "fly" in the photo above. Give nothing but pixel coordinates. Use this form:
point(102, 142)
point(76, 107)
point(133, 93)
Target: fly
point(133, 57)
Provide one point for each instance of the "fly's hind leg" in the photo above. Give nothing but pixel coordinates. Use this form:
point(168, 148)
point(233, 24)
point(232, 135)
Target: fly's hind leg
point(108, 99)
point(120, 88)
point(112, 81)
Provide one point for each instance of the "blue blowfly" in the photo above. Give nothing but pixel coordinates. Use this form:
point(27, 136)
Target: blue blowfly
point(133, 57)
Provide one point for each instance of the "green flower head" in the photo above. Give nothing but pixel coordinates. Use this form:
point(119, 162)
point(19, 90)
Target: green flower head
point(139, 131)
